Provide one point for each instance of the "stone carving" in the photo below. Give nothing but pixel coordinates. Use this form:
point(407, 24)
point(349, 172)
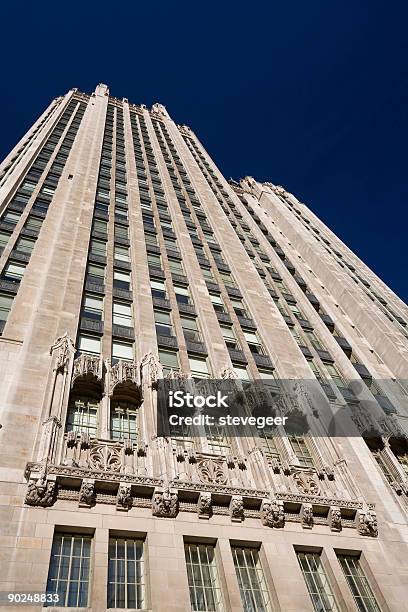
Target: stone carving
point(204, 506)
point(306, 516)
point(237, 508)
point(41, 492)
point(159, 110)
point(335, 518)
point(165, 502)
point(105, 458)
point(306, 483)
point(211, 471)
point(123, 371)
point(272, 513)
point(87, 493)
point(64, 347)
point(366, 523)
point(87, 364)
point(229, 374)
point(124, 498)
point(153, 369)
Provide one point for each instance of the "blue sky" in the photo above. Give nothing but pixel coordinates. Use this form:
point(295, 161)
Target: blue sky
point(312, 96)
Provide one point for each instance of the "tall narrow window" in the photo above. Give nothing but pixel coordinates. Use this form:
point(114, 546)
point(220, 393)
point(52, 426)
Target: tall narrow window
point(251, 580)
point(122, 314)
point(123, 420)
point(92, 307)
point(301, 451)
point(169, 361)
point(126, 574)
point(198, 367)
point(316, 581)
point(122, 350)
point(68, 575)
point(203, 579)
point(358, 583)
point(6, 302)
point(82, 416)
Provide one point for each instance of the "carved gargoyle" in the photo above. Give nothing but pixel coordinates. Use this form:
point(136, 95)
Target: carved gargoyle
point(165, 503)
point(272, 513)
point(367, 523)
point(41, 492)
point(204, 506)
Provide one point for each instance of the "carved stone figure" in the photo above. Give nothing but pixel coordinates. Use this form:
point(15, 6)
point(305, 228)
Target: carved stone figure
point(366, 523)
point(41, 492)
point(153, 367)
point(165, 503)
point(237, 508)
point(306, 516)
point(64, 347)
point(229, 374)
point(124, 497)
point(272, 513)
point(335, 518)
point(204, 506)
point(87, 493)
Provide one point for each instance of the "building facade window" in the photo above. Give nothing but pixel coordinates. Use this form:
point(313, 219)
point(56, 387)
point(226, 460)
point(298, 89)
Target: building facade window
point(123, 422)
point(122, 350)
point(301, 450)
point(122, 314)
point(83, 416)
point(126, 574)
point(317, 582)
point(89, 344)
point(69, 570)
point(169, 361)
point(203, 578)
point(251, 579)
point(358, 583)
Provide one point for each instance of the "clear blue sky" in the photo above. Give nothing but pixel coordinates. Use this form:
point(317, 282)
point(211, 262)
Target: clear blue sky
point(310, 95)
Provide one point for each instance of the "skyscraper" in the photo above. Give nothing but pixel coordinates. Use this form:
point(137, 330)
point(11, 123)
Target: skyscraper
point(127, 258)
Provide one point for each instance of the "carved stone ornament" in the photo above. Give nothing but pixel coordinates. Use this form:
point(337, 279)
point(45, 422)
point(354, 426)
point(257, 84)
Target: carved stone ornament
point(229, 374)
point(366, 523)
point(306, 482)
point(237, 508)
point(204, 506)
point(165, 502)
point(87, 493)
point(159, 110)
point(335, 518)
point(272, 513)
point(211, 471)
point(87, 365)
point(41, 492)
point(306, 516)
point(121, 372)
point(64, 348)
point(151, 364)
point(124, 498)
point(105, 458)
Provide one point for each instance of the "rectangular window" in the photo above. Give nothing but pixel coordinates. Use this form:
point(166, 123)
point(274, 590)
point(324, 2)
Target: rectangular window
point(158, 289)
point(121, 231)
point(6, 302)
point(317, 582)
point(123, 423)
point(253, 342)
point(241, 371)
point(203, 579)
point(69, 570)
point(251, 580)
point(182, 294)
point(98, 247)
point(229, 337)
point(100, 226)
point(11, 217)
point(14, 272)
point(33, 224)
point(358, 583)
point(122, 314)
point(126, 574)
point(198, 367)
point(239, 307)
point(89, 344)
point(4, 238)
point(176, 266)
point(227, 278)
point(217, 302)
point(169, 361)
point(208, 275)
point(95, 274)
point(25, 245)
point(82, 416)
point(121, 280)
point(122, 350)
point(121, 253)
point(163, 323)
point(92, 307)
point(190, 329)
point(301, 451)
point(154, 260)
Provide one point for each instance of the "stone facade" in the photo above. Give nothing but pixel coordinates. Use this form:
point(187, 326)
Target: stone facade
point(328, 494)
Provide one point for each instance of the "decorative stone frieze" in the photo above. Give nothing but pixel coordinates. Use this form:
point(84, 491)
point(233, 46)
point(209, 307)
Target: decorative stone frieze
point(272, 513)
point(204, 505)
point(306, 482)
point(87, 365)
point(123, 372)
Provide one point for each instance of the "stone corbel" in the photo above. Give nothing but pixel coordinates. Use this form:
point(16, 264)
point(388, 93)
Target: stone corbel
point(366, 523)
point(306, 516)
point(334, 518)
point(236, 509)
point(272, 513)
point(87, 493)
point(165, 502)
point(124, 497)
point(41, 491)
point(204, 506)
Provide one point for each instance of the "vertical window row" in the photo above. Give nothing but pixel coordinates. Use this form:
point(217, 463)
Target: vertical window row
point(19, 257)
